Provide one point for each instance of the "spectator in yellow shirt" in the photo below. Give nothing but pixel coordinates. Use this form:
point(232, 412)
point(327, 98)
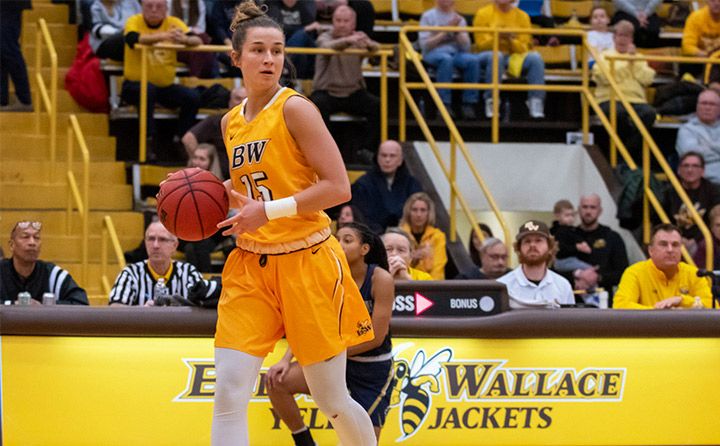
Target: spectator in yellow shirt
point(400, 246)
point(502, 14)
point(701, 35)
point(662, 281)
point(418, 220)
point(632, 77)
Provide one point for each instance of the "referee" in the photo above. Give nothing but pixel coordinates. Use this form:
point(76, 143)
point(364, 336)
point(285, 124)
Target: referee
point(134, 285)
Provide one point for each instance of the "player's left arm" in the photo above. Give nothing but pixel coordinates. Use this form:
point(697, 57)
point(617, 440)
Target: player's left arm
point(305, 124)
point(383, 290)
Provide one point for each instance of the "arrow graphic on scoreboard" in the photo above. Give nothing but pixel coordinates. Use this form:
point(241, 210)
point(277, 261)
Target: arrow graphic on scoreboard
point(422, 303)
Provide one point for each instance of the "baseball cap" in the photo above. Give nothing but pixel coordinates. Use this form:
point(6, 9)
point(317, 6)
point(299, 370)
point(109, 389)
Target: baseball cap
point(533, 227)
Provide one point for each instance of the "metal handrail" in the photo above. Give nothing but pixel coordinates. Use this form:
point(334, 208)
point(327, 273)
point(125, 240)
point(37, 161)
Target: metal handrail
point(650, 147)
point(142, 143)
point(588, 101)
point(456, 138)
point(81, 200)
point(49, 101)
point(108, 229)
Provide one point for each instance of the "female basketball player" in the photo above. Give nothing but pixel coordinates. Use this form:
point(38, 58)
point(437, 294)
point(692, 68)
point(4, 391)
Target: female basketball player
point(369, 367)
point(287, 274)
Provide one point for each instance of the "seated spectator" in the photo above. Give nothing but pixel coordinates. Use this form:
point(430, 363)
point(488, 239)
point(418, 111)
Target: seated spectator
point(381, 193)
point(494, 258)
point(200, 64)
point(540, 15)
point(220, 15)
point(349, 213)
point(662, 281)
point(339, 85)
point(209, 131)
point(364, 12)
point(703, 195)
point(607, 255)
point(599, 36)
point(400, 246)
point(107, 37)
point(515, 55)
point(700, 256)
point(150, 27)
point(641, 13)
point(300, 27)
point(135, 283)
point(206, 157)
point(418, 220)
point(701, 38)
point(569, 242)
point(475, 243)
point(633, 77)
point(701, 134)
point(532, 284)
point(448, 51)
point(24, 272)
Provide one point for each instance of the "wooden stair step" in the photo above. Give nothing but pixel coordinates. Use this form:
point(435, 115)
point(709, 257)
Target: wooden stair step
point(65, 55)
point(90, 123)
point(37, 148)
point(54, 196)
point(126, 223)
point(52, 13)
point(68, 248)
point(62, 34)
point(23, 171)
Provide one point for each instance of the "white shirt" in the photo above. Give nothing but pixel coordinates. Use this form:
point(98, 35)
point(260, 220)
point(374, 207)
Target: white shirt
point(553, 289)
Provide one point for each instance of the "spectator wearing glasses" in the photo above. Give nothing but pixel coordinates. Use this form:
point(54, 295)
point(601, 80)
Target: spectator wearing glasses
point(702, 193)
point(135, 283)
point(24, 272)
point(702, 134)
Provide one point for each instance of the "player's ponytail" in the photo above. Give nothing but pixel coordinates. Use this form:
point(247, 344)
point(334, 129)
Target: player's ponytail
point(377, 253)
point(249, 15)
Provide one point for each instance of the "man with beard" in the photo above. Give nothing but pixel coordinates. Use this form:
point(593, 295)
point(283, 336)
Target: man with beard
point(25, 272)
point(532, 284)
point(607, 250)
point(662, 282)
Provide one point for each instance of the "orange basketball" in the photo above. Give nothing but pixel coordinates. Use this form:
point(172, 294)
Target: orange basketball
point(191, 203)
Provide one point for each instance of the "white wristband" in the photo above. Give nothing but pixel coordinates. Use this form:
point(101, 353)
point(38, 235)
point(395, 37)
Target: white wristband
point(284, 207)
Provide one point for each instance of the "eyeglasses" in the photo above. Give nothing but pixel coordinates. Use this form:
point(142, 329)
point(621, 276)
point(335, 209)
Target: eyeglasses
point(36, 225)
point(691, 166)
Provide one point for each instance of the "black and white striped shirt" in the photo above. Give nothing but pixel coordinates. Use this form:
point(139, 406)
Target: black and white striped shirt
point(134, 285)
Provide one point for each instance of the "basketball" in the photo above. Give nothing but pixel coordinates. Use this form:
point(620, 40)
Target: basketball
point(191, 203)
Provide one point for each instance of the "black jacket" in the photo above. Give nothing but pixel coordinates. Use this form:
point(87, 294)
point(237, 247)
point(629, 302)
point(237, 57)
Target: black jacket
point(608, 252)
point(46, 277)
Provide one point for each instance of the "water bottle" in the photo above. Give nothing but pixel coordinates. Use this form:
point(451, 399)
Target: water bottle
point(161, 294)
point(698, 303)
point(603, 299)
point(48, 299)
point(23, 298)
point(505, 112)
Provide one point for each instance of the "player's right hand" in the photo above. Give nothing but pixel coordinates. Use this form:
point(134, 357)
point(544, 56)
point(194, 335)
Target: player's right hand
point(276, 373)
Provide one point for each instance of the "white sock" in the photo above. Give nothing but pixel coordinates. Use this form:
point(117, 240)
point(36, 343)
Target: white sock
point(326, 381)
point(235, 377)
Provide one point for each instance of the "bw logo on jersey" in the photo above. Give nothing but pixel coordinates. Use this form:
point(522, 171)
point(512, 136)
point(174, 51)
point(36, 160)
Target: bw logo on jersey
point(252, 152)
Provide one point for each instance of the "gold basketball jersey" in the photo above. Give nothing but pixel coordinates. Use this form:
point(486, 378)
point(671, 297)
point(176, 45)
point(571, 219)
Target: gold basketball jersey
point(266, 164)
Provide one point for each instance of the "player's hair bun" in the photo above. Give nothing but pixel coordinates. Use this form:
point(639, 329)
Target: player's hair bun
point(245, 11)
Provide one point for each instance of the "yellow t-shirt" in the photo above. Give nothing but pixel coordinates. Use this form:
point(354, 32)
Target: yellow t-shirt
point(161, 63)
point(701, 32)
point(632, 78)
point(267, 164)
point(490, 16)
point(643, 285)
point(416, 274)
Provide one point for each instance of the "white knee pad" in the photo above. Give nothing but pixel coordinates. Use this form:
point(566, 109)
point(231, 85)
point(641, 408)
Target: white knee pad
point(326, 381)
point(235, 377)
